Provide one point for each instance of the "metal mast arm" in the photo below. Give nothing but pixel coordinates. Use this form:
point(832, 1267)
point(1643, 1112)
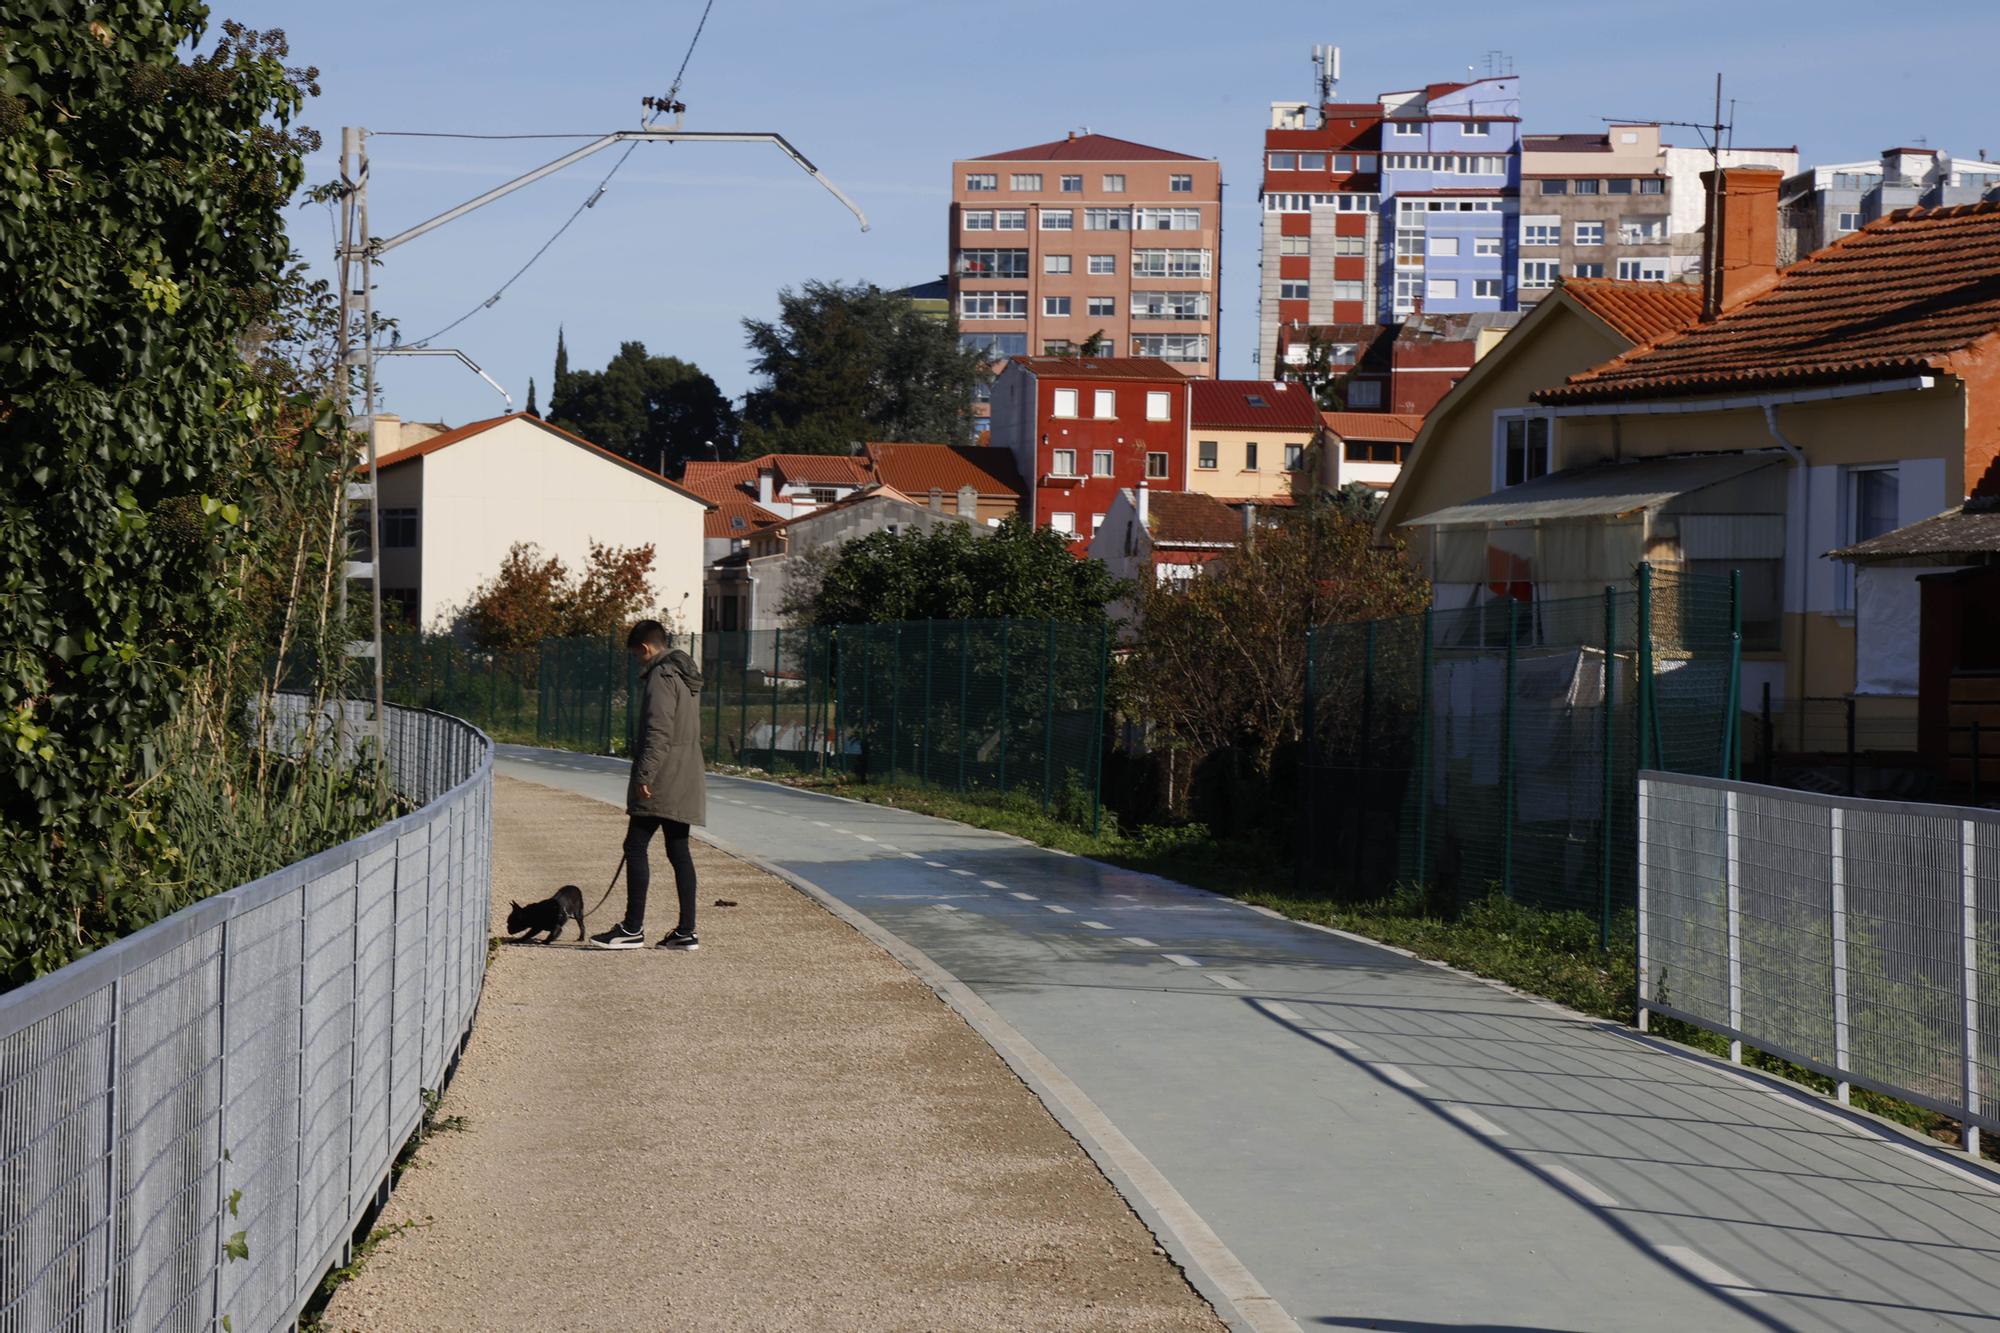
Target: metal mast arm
point(468, 362)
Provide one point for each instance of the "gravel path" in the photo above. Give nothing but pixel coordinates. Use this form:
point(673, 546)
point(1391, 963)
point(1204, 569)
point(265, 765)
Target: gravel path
point(784, 1130)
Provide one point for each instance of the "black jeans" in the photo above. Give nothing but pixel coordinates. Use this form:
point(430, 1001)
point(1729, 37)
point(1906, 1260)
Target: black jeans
point(639, 875)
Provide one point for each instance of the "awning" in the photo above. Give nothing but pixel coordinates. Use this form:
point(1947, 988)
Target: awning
point(1603, 490)
point(1952, 538)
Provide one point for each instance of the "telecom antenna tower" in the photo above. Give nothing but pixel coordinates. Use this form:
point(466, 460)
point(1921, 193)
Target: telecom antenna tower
point(1326, 73)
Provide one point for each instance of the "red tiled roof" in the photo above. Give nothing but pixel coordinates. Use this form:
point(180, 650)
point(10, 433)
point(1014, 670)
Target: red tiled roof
point(1087, 148)
point(1101, 367)
point(1639, 311)
point(1900, 296)
point(1252, 405)
point(816, 469)
point(716, 481)
point(737, 517)
point(466, 432)
point(1189, 518)
point(915, 468)
point(1398, 426)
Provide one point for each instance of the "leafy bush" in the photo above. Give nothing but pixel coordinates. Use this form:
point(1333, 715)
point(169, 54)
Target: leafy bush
point(535, 597)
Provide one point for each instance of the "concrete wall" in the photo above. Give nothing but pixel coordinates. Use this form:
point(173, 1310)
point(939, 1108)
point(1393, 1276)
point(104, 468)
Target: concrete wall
point(520, 483)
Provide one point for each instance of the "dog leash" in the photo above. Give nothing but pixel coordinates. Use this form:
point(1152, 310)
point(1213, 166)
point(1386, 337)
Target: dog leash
point(608, 887)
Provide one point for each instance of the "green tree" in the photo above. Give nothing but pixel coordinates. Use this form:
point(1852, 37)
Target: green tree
point(562, 367)
point(531, 397)
point(951, 572)
point(535, 597)
point(151, 449)
point(847, 364)
point(658, 411)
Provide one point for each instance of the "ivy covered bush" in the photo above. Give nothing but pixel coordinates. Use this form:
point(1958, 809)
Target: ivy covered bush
point(167, 513)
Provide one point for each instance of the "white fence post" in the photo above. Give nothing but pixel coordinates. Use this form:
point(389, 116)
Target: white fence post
point(1645, 985)
point(1837, 864)
point(1735, 933)
point(1969, 937)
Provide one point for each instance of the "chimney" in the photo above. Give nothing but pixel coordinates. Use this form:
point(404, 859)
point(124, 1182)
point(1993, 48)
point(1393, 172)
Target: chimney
point(1144, 491)
point(764, 479)
point(1742, 243)
point(1249, 524)
point(936, 505)
point(387, 433)
point(968, 502)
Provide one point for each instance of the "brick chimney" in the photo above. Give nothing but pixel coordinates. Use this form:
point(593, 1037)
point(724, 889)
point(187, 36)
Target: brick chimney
point(1741, 250)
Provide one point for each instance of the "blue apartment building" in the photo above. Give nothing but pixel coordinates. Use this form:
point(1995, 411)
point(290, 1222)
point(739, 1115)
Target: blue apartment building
point(1450, 202)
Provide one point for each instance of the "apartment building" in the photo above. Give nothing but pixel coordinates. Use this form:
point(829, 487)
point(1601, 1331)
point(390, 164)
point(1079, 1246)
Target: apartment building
point(1321, 243)
point(1088, 243)
point(1825, 203)
point(1594, 206)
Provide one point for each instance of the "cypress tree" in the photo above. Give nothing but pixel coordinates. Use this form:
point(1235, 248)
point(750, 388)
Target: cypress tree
point(562, 367)
point(531, 397)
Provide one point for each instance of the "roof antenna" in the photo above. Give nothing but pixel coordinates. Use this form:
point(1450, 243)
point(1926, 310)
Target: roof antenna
point(1326, 71)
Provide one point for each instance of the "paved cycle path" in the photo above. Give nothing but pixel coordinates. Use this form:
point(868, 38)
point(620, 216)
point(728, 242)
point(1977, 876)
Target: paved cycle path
point(1380, 1142)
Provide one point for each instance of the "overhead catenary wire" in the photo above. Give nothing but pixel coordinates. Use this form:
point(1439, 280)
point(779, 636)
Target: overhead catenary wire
point(590, 201)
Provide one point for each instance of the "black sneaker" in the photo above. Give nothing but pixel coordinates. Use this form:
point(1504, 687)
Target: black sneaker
point(617, 938)
point(677, 939)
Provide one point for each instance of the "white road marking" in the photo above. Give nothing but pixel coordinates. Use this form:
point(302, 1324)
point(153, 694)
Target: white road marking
point(1096, 925)
point(936, 865)
point(1578, 1186)
point(956, 871)
point(848, 831)
point(1474, 1121)
point(1180, 959)
point(820, 822)
point(1126, 896)
point(1224, 980)
point(1700, 1266)
point(888, 846)
point(1057, 907)
point(944, 907)
point(992, 883)
point(1338, 1042)
point(1401, 1077)
point(1025, 897)
point(864, 837)
point(1139, 942)
point(1279, 1009)
point(914, 856)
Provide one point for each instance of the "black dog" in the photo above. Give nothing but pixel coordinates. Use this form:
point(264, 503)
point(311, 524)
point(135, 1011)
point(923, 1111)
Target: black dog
point(551, 915)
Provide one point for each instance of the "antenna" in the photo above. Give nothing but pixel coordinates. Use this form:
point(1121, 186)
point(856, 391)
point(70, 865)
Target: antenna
point(1498, 62)
point(1326, 72)
point(1713, 135)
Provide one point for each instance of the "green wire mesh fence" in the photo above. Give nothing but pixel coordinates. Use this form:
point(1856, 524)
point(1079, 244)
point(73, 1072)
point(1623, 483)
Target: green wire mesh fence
point(1495, 748)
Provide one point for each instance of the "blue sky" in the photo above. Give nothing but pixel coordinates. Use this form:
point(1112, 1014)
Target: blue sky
point(882, 95)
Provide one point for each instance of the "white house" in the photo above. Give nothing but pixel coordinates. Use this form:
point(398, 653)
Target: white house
point(453, 504)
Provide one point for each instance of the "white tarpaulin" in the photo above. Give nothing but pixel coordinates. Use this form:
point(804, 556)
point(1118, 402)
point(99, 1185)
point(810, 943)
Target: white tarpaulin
point(1886, 621)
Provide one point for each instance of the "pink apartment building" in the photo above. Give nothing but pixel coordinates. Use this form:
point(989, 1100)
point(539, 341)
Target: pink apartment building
point(1088, 237)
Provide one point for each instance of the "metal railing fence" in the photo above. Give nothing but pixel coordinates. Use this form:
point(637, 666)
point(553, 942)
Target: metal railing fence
point(194, 1119)
point(1493, 748)
point(1859, 939)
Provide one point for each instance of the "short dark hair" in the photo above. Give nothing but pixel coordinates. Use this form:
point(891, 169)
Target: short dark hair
point(648, 631)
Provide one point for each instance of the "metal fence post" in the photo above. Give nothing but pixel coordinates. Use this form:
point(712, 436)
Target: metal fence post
point(1733, 886)
point(1424, 756)
point(809, 733)
point(1006, 636)
point(930, 676)
point(1507, 756)
point(1643, 983)
point(1850, 745)
point(777, 659)
point(1097, 732)
point(1837, 877)
point(1770, 738)
point(964, 679)
point(1307, 843)
point(836, 700)
point(715, 732)
point(1645, 634)
point(1969, 947)
point(743, 697)
point(867, 692)
point(1604, 766)
point(1732, 718)
point(1049, 721)
point(895, 695)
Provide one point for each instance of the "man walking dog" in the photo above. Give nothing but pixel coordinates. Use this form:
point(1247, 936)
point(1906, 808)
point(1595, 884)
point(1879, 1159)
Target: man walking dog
point(667, 792)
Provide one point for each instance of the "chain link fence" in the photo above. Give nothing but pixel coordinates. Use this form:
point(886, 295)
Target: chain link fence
point(1494, 748)
point(195, 1118)
point(1858, 939)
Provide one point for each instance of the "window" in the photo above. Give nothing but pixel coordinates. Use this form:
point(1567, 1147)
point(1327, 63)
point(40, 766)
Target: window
point(1159, 405)
point(1058, 219)
point(1347, 289)
point(1365, 162)
point(1063, 462)
point(1524, 447)
point(1620, 185)
point(1590, 233)
point(1012, 219)
point(1205, 455)
point(1101, 306)
point(1874, 495)
point(1349, 245)
point(1250, 456)
point(1293, 290)
point(1167, 219)
point(1058, 347)
point(1473, 129)
point(1063, 523)
point(1104, 404)
point(1589, 270)
point(1170, 263)
point(1100, 462)
point(1055, 264)
point(1541, 231)
point(1486, 246)
point(1028, 180)
point(1538, 273)
point(1055, 306)
point(1642, 231)
point(1405, 129)
point(979, 219)
point(1849, 222)
point(1442, 289)
point(1642, 270)
point(1295, 457)
point(1156, 466)
point(1114, 184)
point(993, 263)
point(1284, 161)
point(1065, 404)
point(994, 347)
point(1652, 185)
point(1295, 245)
point(992, 305)
point(1445, 246)
point(1585, 187)
point(1488, 288)
point(1102, 265)
point(1170, 305)
point(1364, 393)
point(1555, 187)
point(1180, 183)
point(1312, 161)
point(1107, 219)
point(399, 528)
point(982, 180)
point(1343, 161)
point(1071, 184)
point(1372, 451)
